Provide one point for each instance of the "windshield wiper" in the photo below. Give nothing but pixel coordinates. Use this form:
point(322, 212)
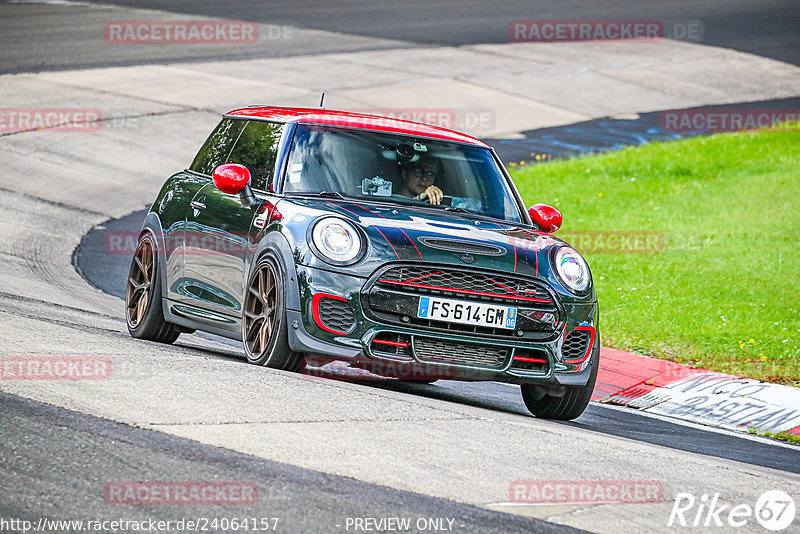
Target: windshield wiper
point(446, 208)
point(325, 194)
point(468, 213)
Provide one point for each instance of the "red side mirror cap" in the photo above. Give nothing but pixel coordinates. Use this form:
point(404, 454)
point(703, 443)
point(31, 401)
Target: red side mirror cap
point(231, 178)
point(545, 217)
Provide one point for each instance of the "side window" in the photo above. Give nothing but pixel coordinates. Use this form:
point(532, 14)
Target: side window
point(217, 146)
point(257, 149)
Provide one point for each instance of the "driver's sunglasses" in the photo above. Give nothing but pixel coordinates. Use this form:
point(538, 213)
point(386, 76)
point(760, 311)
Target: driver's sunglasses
point(420, 173)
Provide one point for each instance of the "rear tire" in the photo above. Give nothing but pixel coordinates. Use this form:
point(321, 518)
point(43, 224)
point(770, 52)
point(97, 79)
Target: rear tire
point(264, 329)
point(143, 306)
point(564, 408)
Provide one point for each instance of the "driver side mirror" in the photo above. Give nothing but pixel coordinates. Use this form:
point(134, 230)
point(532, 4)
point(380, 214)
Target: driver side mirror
point(232, 178)
point(545, 217)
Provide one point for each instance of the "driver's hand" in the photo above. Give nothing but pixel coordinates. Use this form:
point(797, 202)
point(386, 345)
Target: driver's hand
point(433, 194)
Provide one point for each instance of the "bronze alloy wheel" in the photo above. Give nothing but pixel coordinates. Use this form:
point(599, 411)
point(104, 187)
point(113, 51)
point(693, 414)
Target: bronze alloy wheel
point(143, 307)
point(140, 282)
point(260, 312)
point(264, 330)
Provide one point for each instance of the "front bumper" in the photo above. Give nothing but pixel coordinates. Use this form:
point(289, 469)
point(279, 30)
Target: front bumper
point(419, 353)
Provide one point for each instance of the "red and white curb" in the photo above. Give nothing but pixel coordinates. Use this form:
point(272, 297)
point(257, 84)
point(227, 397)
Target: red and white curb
point(697, 395)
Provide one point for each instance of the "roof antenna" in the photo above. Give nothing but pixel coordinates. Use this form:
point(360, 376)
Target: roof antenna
point(321, 100)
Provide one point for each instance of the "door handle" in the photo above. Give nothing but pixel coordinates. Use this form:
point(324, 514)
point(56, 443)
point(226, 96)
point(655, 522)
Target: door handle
point(197, 207)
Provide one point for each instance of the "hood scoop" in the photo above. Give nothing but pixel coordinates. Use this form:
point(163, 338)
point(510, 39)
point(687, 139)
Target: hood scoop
point(462, 246)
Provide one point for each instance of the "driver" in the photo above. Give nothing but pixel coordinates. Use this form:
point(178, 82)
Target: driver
point(418, 180)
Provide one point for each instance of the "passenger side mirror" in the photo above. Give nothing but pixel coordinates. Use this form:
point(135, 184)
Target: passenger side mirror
point(232, 178)
point(545, 217)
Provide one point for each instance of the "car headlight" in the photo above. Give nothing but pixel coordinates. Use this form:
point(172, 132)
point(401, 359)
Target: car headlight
point(336, 241)
point(572, 269)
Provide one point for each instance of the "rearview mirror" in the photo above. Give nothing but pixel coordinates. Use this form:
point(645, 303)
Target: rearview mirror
point(376, 186)
point(545, 217)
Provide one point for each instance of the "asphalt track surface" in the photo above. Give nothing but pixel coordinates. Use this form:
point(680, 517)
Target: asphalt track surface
point(55, 461)
point(767, 28)
point(67, 453)
point(69, 35)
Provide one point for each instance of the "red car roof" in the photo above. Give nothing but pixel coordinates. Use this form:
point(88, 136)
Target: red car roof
point(356, 120)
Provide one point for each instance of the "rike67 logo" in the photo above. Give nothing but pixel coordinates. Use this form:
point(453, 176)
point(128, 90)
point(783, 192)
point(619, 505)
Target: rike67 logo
point(774, 510)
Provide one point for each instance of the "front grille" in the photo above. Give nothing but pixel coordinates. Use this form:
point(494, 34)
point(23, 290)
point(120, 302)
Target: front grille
point(393, 298)
point(453, 352)
point(575, 345)
point(336, 314)
point(425, 280)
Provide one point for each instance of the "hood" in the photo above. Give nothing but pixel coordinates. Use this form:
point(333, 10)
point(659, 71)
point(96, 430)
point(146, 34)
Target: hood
point(408, 234)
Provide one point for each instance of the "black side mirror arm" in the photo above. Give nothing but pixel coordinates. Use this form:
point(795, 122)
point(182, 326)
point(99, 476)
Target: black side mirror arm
point(248, 199)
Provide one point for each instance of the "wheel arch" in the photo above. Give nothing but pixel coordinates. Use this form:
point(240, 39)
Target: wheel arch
point(299, 340)
point(152, 225)
point(277, 244)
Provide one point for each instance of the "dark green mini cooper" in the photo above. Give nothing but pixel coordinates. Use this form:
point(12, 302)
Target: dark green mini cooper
point(400, 248)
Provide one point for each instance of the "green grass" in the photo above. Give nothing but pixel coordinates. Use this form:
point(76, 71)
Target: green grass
point(783, 436)
point(724, 292)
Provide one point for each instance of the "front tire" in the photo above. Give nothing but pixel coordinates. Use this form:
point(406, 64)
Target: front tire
point(143, 306)
point(566, 407)
point(264, 329)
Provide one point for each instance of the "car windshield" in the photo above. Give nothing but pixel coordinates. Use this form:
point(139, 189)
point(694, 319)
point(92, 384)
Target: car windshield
point(397, 168)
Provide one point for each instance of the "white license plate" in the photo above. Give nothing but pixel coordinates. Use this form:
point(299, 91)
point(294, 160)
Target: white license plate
point(463, 312)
